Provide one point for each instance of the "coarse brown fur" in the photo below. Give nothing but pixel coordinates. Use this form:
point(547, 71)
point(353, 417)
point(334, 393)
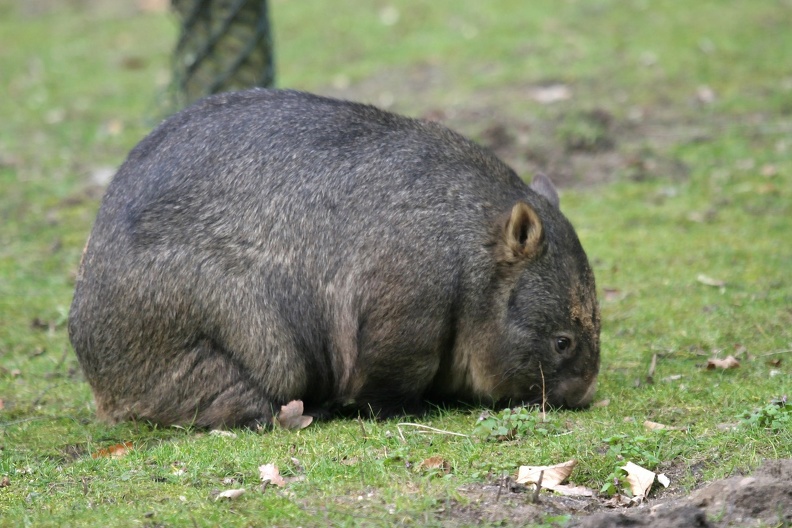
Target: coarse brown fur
point(265, 246)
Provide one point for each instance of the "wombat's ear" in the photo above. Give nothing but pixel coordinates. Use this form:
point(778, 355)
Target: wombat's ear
point(523, 235)
point(542, 185)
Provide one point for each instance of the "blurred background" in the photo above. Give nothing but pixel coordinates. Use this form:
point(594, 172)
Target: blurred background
point(587, 91)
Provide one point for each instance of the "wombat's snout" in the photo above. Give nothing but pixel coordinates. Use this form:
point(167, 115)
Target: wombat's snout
point(576, 393)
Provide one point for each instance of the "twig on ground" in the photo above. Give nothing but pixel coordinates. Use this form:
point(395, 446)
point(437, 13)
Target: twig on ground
point(401, 435)
point(652, 367)
point(429, 429)
point(535, 496)
point(362, 428)
point(776, 353)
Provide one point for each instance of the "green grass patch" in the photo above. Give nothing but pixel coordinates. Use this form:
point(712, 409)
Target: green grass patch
point(84, 84)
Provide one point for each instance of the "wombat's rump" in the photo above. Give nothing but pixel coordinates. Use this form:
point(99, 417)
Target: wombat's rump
point(265, 246)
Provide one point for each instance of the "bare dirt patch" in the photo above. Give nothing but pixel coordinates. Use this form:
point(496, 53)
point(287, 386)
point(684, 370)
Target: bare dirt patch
point(761, 499)
point(509, 505)
point(573, 143)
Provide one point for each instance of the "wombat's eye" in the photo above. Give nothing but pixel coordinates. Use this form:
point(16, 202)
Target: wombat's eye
point(563, 344)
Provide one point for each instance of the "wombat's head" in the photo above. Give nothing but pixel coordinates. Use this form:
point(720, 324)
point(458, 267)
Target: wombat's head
point(549, 324)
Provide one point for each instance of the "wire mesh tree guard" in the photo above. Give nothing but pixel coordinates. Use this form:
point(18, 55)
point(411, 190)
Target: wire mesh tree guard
point(224, 45)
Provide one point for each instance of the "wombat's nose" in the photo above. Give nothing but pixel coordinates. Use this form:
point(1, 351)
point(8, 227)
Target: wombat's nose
point(577, 392)
point(585, 400)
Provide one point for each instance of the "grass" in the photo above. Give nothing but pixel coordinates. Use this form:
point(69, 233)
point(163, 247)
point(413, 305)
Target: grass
point(84, 85)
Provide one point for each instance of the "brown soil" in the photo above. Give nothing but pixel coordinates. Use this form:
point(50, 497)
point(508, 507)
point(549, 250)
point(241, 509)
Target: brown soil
point(573, 146)
point(763, 499)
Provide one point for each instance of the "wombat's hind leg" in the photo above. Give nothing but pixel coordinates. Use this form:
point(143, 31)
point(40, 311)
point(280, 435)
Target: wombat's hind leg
point(239, 405)
point(209, 389)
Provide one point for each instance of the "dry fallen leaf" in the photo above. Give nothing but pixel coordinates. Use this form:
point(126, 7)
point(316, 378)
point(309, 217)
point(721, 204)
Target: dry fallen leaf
point(729, 362)
point(5, 482)
point(655, 426)
point(768, 171)
point(435, 462)
point(114, 451)
point(701, 217)
point(220, 432)
point(269, 474)
point(617, 501)
point(640, 479)
point(601, 403)
point(572, 491)
point(291, 417)
point(705, 94)
point(113, 127)
point(153, 6)
point(551, 94)
point(553, 475)
point(611, 294)
point(230, 494)
point(389, 16)
point(709, 281)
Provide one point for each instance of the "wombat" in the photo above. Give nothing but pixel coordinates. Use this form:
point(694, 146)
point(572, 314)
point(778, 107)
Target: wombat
point(265, 246)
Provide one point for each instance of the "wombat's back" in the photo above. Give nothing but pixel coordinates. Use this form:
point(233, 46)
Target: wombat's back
point(264, 246)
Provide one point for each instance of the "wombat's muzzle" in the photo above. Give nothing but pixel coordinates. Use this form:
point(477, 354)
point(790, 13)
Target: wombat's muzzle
point(577, 393)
